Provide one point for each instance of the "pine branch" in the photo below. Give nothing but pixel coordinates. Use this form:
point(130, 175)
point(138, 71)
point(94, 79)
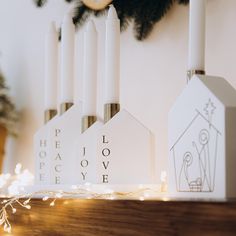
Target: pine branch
point(185, 2)
point(145, 13)
point(145, 20)
point(81, 15)
point(8, 113)
point(124, 16)
point(40, 3)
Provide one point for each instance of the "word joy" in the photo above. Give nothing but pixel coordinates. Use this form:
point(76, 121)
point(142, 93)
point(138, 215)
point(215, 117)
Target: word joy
point(84, 164)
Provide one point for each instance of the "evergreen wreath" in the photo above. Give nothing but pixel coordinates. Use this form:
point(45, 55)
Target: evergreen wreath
point(144, 13)
point(8, 113)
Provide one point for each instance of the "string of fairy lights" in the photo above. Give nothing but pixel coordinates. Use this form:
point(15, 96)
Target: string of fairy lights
point(15, 185)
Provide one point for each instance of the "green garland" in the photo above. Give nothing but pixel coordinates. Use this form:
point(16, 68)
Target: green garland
point(144, 13)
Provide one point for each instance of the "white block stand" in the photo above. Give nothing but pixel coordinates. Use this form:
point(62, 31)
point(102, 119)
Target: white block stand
point(124, 152)
point(202, 140)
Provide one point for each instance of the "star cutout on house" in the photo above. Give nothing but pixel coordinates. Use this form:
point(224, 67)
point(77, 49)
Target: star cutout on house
point(209, 110)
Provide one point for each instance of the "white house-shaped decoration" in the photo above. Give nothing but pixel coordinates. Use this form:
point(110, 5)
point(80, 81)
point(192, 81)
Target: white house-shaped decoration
point(202, 140)
point(124, 152)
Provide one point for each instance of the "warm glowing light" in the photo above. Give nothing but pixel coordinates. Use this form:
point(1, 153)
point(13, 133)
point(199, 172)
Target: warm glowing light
point(59, 195)
point(23, 178)
point(26, 202)
point(3, 179)
point(165, 199)
point(28, 207)
point(7, 228)
point(163, 181)
point(45, 198)
point(52, 203)
point(16, 183)
point(108, 191)
point(141, 198)
point(163, 176)
point(18, 169)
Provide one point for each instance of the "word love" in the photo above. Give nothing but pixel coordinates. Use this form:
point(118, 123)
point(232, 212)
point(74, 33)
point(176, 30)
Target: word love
point(106, 152)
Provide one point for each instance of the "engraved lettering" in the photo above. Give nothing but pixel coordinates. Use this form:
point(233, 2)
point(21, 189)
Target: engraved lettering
point(58, 157)
point(41, 177)
point(104, 139)
point(105, 164)
point(84, 175)
point(43, 143)
point(41, 165)
point(83, 151)
point(84, 163)
point(57, 144)
point(42, 154)
point(58, 168)
point(57, 180)
point(57, 132)
point(106, 152)
point(105, 178)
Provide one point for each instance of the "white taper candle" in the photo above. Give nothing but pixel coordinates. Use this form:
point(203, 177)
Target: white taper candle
point(90, 70)
point(67, 59)
point(197, 35)
point(51, 68)
point(112, 57)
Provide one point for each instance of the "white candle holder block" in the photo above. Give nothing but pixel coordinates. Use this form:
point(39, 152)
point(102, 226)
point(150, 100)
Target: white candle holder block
point(63, 133)
point(85, 155)
point(202, 134)
point(42, 154)
point(124, 151)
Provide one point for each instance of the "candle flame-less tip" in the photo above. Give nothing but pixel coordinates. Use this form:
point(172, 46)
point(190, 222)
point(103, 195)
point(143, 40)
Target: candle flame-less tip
point(112, 14)
point(91, 26)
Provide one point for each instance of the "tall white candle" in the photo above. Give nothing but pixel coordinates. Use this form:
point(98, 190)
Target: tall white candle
point(51, 68)
point(197, 35)
point(67, 59)
point(112, 57)
point(90, 70)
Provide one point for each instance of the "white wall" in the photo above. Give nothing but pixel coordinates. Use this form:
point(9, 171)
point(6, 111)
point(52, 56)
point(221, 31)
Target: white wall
point(153, 72)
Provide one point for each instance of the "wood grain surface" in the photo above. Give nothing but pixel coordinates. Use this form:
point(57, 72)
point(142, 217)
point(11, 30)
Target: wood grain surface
point(124, 218)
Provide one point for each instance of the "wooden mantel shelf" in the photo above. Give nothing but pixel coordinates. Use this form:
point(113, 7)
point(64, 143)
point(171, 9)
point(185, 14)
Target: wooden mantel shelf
point(124, 218)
